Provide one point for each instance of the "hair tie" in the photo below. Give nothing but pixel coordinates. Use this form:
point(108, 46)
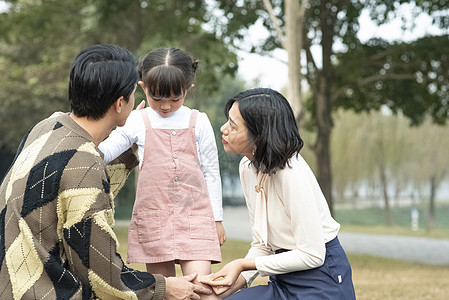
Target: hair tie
point(195, 64)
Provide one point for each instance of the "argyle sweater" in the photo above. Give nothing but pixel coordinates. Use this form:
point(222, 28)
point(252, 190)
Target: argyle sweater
point(57, 218)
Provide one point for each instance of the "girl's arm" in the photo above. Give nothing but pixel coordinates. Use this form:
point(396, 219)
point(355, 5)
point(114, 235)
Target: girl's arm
point(208, 153)
point(122, 138)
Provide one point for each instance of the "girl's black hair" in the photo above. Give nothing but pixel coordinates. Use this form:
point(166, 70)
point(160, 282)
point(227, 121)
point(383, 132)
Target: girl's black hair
point(271, 127)
point(167, 72)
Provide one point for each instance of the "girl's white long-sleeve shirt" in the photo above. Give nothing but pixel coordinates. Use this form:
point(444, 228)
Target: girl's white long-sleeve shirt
point(295, 217)
point(133, 131)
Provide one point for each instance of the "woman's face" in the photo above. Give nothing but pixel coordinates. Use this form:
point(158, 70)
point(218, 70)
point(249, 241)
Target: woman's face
point(235, 134)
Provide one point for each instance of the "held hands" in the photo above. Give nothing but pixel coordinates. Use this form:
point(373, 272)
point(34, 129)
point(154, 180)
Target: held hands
point(226, 279)
point(182, 288)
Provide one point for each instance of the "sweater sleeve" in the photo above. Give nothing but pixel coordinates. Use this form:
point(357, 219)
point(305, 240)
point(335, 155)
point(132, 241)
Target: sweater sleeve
point(209, 163)
point(86, 220)
point(119, 169)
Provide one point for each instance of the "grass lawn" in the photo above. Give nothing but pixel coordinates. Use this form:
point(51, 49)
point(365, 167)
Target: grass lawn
point(374, 278)
point(373, 220)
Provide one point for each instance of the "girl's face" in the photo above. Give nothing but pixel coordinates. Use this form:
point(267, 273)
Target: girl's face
point(235, 134)
point(165, 107)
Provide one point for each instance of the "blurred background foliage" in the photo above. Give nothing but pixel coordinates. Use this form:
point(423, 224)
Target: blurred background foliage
point(387, 101)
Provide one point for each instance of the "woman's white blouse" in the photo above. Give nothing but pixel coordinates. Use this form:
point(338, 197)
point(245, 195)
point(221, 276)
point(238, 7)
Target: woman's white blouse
point(133, 131)
point(296, 218)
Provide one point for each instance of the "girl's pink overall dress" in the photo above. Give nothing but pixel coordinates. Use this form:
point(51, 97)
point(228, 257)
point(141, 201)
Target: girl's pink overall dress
point(172, 216)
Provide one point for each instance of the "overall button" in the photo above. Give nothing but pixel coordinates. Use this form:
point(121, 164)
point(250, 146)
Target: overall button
point(176, 179)
point(175, 156)
point(173, 132)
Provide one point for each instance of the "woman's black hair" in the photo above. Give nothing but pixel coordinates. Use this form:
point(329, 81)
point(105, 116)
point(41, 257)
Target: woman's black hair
point(167, 72)
point(100, 75)
point(271, 127)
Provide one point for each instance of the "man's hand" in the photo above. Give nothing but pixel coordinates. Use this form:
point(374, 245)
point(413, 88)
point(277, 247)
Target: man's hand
point(182, 288)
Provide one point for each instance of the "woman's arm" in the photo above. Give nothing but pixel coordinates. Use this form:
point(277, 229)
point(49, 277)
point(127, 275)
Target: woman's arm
point(297, 194)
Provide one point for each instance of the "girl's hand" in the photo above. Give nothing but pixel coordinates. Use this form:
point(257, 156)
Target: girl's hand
point(221, 232)
point(141, 105)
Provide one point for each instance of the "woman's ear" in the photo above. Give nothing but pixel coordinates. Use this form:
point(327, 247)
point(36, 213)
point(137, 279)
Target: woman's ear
point(142, 85)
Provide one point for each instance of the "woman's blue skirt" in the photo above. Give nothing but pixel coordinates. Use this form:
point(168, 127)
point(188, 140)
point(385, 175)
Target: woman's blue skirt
point(333, 281)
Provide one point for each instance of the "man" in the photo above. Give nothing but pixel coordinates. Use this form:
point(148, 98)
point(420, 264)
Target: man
point(56, 201)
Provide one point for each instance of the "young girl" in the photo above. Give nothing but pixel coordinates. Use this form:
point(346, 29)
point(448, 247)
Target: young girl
point(177, 216)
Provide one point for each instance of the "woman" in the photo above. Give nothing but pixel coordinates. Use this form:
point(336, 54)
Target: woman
point(294, 236)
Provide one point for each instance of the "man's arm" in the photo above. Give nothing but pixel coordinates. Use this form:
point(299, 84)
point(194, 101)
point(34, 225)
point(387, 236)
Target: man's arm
point(85, 222)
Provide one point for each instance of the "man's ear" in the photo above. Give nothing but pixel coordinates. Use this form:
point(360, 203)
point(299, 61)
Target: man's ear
point(118, 104)
point(142, 85)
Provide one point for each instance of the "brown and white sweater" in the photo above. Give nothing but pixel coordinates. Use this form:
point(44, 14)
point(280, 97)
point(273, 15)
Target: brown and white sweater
point(57, 218)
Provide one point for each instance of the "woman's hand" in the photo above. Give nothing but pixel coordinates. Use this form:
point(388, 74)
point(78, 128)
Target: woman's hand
point(225, 279)
point(228, 291)
point(221, 232)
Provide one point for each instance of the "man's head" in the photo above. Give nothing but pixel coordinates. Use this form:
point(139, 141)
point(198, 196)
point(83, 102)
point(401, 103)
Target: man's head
point(100, 75)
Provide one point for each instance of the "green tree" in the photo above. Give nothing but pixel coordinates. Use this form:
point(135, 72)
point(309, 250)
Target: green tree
point(430, 159)
point(408, 77)
point(385, 151)
point(39, 39)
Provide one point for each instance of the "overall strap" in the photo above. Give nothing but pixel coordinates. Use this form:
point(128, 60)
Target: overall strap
point(146, 119)
point(193, 116)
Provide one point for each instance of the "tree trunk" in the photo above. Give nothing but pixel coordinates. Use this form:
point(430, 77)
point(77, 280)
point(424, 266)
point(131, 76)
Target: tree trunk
point(294, 30)
point(323, 108)
point(322, 152)
point(431, 223)
point(292, 42)
point(384, 183)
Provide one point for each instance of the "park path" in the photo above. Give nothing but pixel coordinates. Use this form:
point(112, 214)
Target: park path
point(422, 250)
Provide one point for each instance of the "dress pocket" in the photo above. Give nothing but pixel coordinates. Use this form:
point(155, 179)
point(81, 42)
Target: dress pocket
point(149, 226)
point(337, 264)
point(331, 266)
point(201, 227)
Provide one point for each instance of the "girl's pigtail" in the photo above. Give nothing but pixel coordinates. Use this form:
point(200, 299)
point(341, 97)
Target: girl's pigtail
point(140, 70)
point(195, 65)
